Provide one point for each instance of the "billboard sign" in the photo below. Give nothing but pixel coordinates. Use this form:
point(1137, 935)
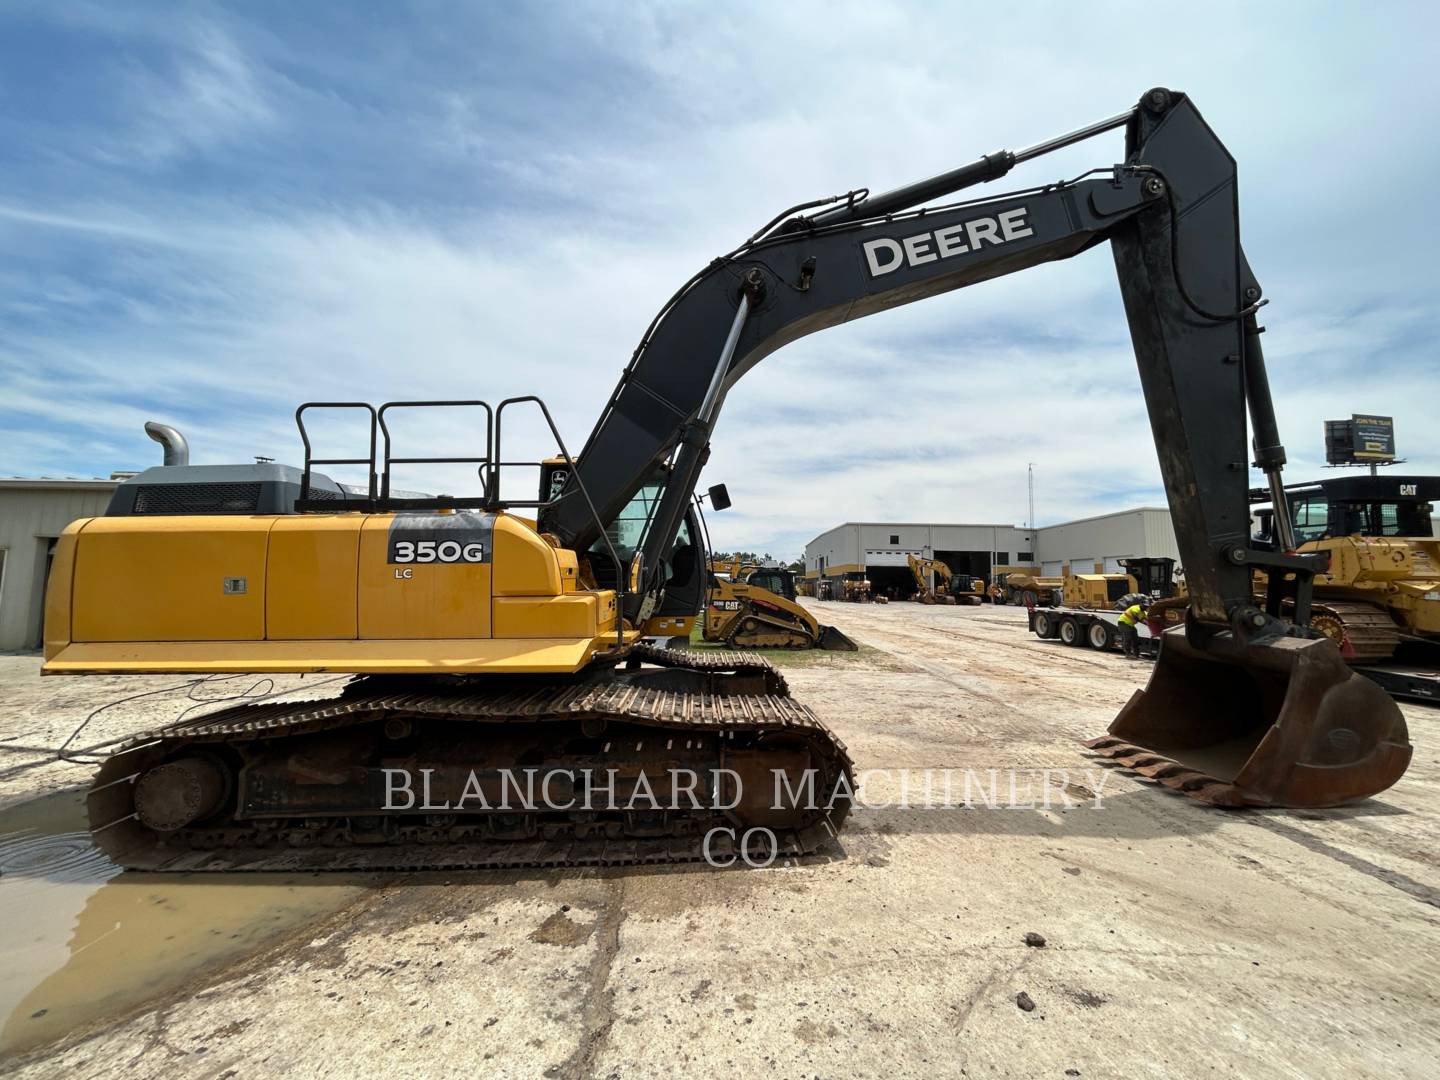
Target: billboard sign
point(1360, 440)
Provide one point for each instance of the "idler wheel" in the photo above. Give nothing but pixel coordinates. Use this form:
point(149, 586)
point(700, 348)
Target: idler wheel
point(179, 792)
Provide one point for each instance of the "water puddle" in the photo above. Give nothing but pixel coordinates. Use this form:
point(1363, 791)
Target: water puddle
point(79, 939)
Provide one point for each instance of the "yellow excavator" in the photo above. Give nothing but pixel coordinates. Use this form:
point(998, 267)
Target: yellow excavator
point(506, 710)
point(750, 606)
point(948, 588)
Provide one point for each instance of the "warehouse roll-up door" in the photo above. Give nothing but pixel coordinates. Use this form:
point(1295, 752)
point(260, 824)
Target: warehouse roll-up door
point(888, 558)
point(1112, 565)
point(1051, 569)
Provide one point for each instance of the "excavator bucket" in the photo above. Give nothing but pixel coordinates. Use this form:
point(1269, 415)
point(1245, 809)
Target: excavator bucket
point(833, 640)
point(1284, 724)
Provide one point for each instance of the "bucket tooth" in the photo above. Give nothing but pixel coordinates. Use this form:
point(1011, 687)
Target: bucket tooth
point(1284, 724)
point(1164, 769)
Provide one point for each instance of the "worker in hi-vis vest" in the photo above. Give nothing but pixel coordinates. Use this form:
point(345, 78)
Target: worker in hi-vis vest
point(1130, 620)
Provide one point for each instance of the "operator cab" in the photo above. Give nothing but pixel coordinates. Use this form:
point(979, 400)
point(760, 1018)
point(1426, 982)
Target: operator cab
point(684, 577)
point(1353, 506)
point(775, 579)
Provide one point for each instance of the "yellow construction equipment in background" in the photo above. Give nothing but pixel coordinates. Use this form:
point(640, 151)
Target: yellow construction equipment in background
point(1096, 590)
point(1382, 586)
point(1023, 585)
point(949, 588)
point(750, 606)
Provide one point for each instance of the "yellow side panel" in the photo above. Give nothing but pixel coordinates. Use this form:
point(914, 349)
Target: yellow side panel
point(525, 564)
point(547, 616)
point(310, 587)
point(57, 591)
point(569, 570)
point(170, 579)
point(430, 600)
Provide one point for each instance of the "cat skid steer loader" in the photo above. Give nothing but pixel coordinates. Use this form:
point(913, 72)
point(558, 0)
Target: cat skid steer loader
point(498, 641)
point(750, 607)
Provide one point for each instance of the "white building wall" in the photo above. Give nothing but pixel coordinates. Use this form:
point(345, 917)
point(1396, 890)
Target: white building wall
point(1106, 539)
point(1144, 531)
point(877, 543)
point(839, 546)
point(32, 514)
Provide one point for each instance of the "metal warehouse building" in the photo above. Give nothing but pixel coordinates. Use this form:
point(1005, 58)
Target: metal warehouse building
point(33, 513)
point(878, 549)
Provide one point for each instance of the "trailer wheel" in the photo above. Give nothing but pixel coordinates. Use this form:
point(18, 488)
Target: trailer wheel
point(1069, 631)
point(1099, 635)
point(1044, 625)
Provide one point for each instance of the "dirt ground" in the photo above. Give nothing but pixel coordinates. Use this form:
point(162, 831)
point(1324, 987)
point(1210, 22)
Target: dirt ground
point(1179, 940)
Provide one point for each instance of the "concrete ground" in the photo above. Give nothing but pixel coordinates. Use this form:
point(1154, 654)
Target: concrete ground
point(1179, 940)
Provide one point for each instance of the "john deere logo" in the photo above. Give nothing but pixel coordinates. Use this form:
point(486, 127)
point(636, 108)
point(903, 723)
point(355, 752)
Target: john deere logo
point(884, 255)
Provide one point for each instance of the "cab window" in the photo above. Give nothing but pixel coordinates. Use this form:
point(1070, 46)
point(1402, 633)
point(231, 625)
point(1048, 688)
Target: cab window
point(1312, 519)
point(627, 531)
point(767, 581)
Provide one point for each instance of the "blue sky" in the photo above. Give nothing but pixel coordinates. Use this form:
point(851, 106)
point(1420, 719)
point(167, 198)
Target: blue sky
point(209, 213)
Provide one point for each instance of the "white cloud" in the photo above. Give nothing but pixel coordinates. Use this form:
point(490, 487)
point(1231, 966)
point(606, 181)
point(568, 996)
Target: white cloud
point(219, 310)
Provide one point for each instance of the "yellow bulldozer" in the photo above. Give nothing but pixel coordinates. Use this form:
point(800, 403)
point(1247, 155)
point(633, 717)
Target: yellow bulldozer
point(751, 606)
point(948, 587)
point(1381, 587)
point(505, 708)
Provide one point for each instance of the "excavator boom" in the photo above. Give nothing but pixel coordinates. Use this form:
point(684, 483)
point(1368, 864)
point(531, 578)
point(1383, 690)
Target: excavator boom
point(1170, 211)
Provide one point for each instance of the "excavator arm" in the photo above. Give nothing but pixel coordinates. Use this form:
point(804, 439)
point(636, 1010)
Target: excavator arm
point(1243, 707)
point(921, 569)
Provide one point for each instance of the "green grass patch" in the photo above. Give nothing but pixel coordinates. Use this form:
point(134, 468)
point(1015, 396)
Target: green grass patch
point(868, 656)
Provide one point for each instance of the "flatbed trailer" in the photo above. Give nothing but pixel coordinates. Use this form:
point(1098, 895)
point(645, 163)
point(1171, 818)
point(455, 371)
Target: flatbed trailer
point(1404, 681)
point(1087, 626)
point(1101, 630)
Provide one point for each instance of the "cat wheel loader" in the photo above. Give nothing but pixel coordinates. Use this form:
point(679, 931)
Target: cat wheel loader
point(750, 607)
point(505, 710)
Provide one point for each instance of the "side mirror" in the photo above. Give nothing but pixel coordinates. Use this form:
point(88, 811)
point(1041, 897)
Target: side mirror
point(719, 497)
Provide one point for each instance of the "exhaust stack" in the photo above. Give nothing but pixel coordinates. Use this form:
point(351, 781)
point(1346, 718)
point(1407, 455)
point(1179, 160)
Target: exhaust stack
point(177, 450)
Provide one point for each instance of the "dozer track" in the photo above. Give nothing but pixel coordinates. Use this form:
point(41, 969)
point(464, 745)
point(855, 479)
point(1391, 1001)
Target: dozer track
point(286, 786)
point(1364, 632)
